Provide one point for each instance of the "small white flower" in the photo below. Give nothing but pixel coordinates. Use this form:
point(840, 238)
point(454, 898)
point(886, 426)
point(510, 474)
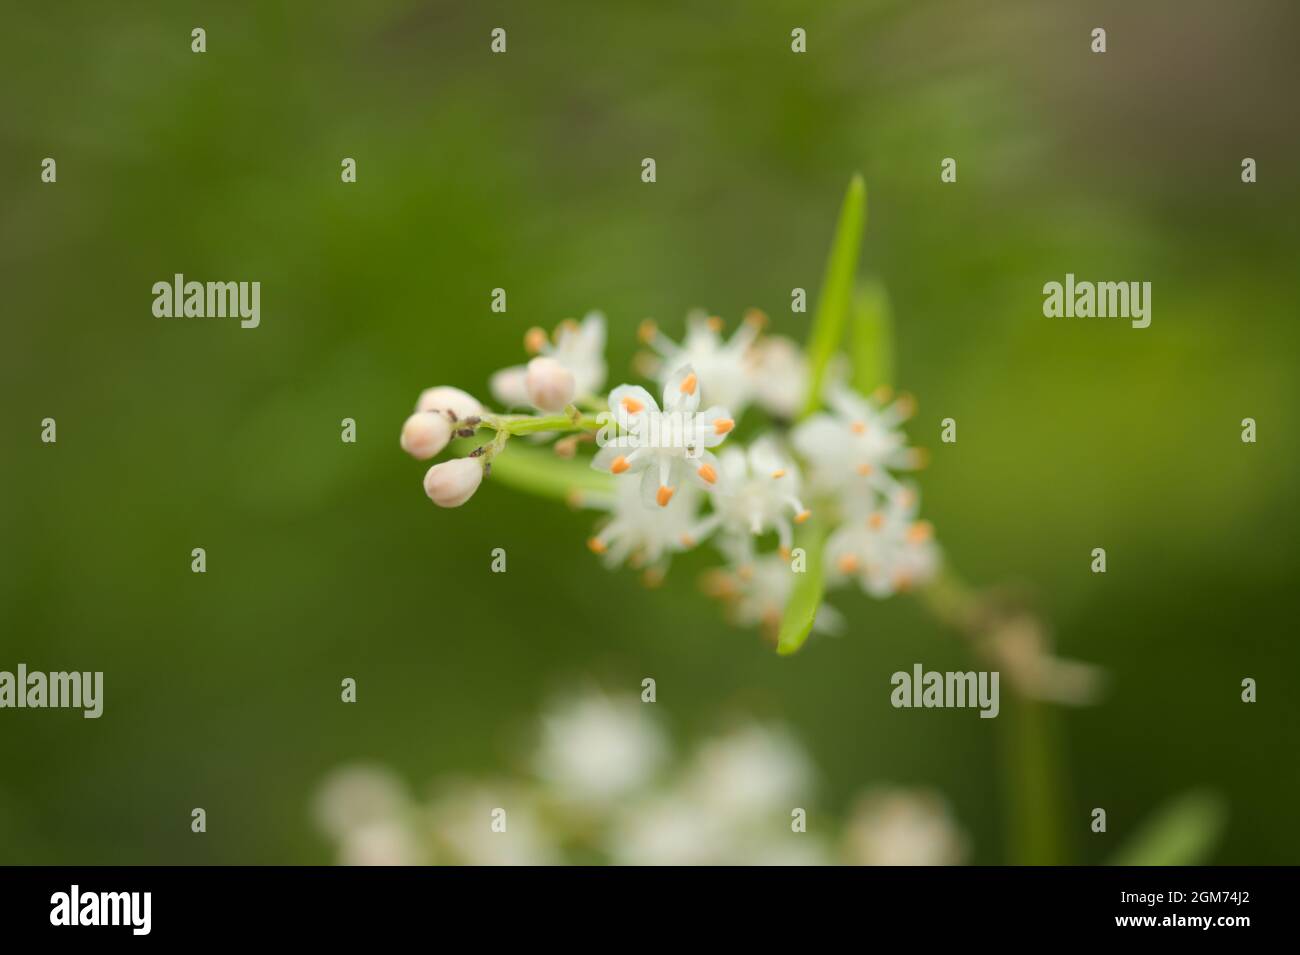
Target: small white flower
point(354, 797)
point(425, 433)
point(752, 771)
point(758, 492)
point(461, 820)
point(756, 593)
point(724, 367)
point(778, 371)
point(643, 536)
point(384, 843)
point(902, 827)
point(452, 483)
point(595, 748)
point(888, 550)
point(549, 384)
point(580, 348)
point(855, 447)
point(460, 404)
point(665, 447)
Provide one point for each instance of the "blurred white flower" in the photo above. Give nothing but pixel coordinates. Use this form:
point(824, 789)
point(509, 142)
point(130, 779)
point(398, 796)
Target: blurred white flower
point(594, 748)
point(886, 551)
point(461, 820)
point(725, 369)
point(382, 843)
point(758, 492)
point(752, 771)
point(903, 827)
point(670, 829)
point(778, 372)
point(853, 449)
point(756, 594)
point(354, 797)
point(641, 536)
point(579, 348)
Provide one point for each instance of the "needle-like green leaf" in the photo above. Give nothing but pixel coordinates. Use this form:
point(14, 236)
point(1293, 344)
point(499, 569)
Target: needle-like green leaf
point(1183, 832)
point(806, 598)
point(872, 334)
point(837, 290)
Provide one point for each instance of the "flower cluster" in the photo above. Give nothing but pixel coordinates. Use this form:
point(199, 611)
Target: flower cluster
point(603, 786)
point(679, 474)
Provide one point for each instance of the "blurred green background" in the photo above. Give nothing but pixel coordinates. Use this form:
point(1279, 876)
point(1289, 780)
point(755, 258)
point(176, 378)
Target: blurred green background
point(326, 560)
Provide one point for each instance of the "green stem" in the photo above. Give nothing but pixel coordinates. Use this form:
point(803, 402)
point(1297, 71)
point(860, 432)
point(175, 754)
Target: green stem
point(571, 419)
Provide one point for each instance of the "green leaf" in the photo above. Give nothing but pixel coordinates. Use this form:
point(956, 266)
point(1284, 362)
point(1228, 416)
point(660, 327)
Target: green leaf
point(872, 337)
point(1183, 832)
point(806, 598)
point(837, 290)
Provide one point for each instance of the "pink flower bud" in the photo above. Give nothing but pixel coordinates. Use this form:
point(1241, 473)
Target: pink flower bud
point(425, 434)
point(447, 398)
point(452, 483)
point(550, 385)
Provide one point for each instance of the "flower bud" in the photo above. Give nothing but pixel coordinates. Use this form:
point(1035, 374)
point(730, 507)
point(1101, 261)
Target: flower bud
point(447, 398)
point(452, 483)
point(508, 388)
point(550, 385)
point(425, 433)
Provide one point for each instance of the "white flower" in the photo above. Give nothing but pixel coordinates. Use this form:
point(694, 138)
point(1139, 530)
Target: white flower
point(462, 820)
point(778, 372)
point(643, 536)
point(852, 449)
point(445, 398)
point(888, 550)
point(580, 348)
point(382, 843)
point(664, 447)
point(594, 748)
point(354, 797)
point(425, 433)
point(670, 829)
point(758, 492)
point(902, 827)
point(548, 383)
point(724, 367)
point(752, 771)
point(757, 592)
point(452, 483)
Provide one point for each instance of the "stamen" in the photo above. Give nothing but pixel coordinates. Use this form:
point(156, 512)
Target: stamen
point(802, 516)
point(534, 340)
point(723, 425)
point(688, 384)
point(715, 324)
point(876, 521)
point(756, 317)
point(619, 465)
point(687, 541)
point(596, 545)
point(665, 494)
point(778, 474)
point(706, 471)
point(864, 470)
point(647, 331)
point(632, 405)
point(920, 532)
point(848, 564)
point(859, 427)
